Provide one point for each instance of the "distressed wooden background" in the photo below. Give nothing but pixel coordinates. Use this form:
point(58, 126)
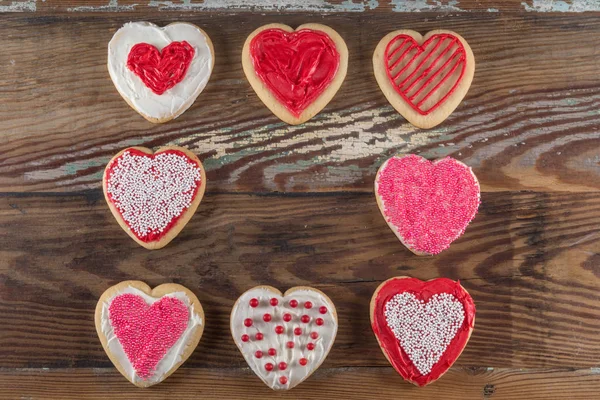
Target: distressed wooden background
point(292, 206)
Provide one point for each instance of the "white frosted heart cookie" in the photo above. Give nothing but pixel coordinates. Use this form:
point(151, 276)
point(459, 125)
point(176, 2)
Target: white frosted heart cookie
point(148, 333)
point(424, 77)
point(284, 337)
point(160, 71)
point(295, 72)
point(153, 195)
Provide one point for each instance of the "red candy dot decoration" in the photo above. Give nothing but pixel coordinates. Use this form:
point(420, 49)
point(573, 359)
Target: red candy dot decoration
point(298, 332)
point(279, 329)
point(259, 336)
point(305, 319)
point(303, 361)
point(272, 352)
point(253, 303)
point(258, 354)
point(269, 367)
point(290, 345)
point(310, 346)
point(319, 321)
point(287, 317)
point(248, 322)
point(274, 302)
point(293, 303)
point(267, 317)
point(308, 305)
point(282, 366)
point(283, 380)
point(245, 338)
point(314, 335)
point(323, 310)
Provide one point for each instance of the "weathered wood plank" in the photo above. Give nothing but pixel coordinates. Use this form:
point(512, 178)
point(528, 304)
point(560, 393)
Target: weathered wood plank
point(530, 261)
point(530, 121)
point(324, 6)
point(346, 383)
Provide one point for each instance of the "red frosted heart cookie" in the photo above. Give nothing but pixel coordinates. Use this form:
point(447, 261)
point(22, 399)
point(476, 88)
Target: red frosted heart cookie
point(422, 327)
point(284, 337)
point(295, 73)
point(424, 78)
point(154, 195)
point(427, 204)
point(148, 333)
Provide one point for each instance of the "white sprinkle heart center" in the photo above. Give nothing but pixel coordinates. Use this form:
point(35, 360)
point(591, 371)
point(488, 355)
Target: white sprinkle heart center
point(424, 329)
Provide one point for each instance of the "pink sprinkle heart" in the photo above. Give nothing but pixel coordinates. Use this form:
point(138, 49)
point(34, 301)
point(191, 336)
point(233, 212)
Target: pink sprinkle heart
point(146, 332)
point(428, 205)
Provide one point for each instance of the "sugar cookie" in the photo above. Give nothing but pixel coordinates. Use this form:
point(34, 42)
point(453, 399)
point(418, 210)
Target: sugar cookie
point(154, 195)
point(284, 337)
point(427, 204)
point(148, 333)
point(422, 327)
point(295, 72)
point(424, 77)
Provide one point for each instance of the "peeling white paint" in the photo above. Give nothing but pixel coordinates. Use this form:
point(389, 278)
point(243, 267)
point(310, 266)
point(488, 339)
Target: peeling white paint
point(112, 6)
point(18, 6)
point(561, 5)
point(267, 5)
point(425, 5)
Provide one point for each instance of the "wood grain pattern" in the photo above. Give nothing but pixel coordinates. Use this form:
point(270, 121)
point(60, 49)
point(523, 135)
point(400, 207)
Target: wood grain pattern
point(530, 121)
point(322, 6)
point(530, 261)
point(347, 383)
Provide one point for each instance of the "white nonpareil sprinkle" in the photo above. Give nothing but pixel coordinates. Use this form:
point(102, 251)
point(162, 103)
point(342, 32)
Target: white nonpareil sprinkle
point(151, 191)
point(424, 330)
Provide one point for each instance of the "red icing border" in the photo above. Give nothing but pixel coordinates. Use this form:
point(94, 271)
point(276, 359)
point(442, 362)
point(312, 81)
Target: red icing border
point(152, 237)
point(423, 291)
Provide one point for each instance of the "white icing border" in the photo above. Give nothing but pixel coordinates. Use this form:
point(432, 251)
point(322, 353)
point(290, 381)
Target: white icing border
point(179, 98)
point(170, 359)
point(295, 372)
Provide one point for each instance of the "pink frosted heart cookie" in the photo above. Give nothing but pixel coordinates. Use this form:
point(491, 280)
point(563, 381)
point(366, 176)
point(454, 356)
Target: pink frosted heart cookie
point(153, 195)
point(284, 337)
point(148, 333)
point(427, 204)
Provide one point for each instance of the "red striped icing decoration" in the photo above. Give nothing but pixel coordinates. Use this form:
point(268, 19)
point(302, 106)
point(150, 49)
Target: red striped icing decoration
point(422, 73)
point(146, 332)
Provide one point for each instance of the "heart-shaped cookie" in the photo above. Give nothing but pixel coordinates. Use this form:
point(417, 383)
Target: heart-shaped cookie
point(424, 77)
point(427, 204)
point(284, 338)
point(154, 195)
point(295, 73)
point(422, 327)
point(148, 333)
point(160, 71)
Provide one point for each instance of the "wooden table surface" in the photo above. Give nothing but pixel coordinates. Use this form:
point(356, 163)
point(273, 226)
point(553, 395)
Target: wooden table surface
point(290, 206)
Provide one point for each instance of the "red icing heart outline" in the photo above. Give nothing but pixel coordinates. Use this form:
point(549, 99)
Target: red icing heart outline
point(296, 67)
point(415, 89)
point(147, 332)
point(160, 71)
point(422, 291)
point(427, 204)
